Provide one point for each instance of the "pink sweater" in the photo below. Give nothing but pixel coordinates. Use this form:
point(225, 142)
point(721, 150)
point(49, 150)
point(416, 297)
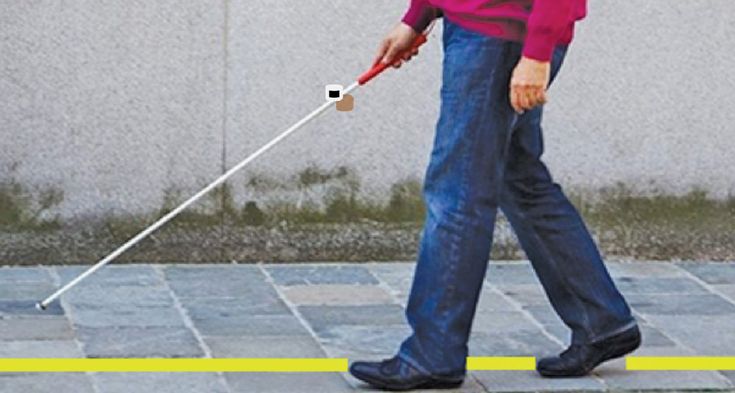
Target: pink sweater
point(540, 25)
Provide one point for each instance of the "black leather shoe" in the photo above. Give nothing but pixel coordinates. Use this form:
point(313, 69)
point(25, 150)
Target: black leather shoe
point(397, 375)
point(578, 360)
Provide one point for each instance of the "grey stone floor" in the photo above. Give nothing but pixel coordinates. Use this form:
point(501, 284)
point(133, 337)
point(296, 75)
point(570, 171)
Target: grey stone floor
point(338, 310)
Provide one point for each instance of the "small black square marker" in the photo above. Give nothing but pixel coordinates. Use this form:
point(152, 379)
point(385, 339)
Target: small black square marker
point(334, 93)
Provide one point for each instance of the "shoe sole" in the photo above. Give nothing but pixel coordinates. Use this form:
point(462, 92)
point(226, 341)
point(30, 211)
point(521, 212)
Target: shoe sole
point(433, 384)
point(623, 349)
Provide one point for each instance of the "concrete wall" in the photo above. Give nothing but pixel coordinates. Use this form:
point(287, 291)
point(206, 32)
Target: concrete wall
point(116, 102)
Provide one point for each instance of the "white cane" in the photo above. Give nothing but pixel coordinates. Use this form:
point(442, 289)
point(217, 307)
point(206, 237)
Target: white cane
point(365, 78)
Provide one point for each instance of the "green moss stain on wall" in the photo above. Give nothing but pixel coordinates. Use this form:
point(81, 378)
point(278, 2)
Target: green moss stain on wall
point(21, 210)
point(620, 207)
point(339, 200)
point(324, 205)
point(322, 196)
point(406, 202)
point(662, 226)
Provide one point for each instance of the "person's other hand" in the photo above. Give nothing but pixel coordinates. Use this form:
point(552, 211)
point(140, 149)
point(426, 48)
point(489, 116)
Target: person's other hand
point(398, 40)
point(528, 84)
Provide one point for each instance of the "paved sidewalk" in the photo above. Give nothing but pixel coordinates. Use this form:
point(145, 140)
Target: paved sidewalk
point(337, 310)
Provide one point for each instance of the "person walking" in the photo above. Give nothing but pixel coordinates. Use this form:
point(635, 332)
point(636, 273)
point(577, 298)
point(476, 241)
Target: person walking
point(500, 56)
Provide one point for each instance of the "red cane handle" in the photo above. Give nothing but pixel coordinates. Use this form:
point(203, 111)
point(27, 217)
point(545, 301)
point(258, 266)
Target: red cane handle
point(380, 66)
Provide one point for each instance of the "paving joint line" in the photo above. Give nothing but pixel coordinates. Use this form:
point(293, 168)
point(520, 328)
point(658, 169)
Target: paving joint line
point(189, 323)
point(641, 317)
point(68, 315)
point(519, 307)
point(291, 307)
point(384, 285)
point(704, 284)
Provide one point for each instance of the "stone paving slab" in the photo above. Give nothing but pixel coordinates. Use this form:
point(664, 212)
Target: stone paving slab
point(216, 281)
point(645, 269)
point(711, 273)
point(139, 342)
point(21, 274)
point(25, 290)
point(522, 341)
point(727, 291)
point(159, 382)
point(115, 295)
point(396, 278)
point(264, 346)
point(529, 381)
point(113, 275)
point(287, 382)
point(492, 301)
point(524, 294)
point(40, 349)
point(470, 385)
point(263, 304)
point(380, 341)
point(662, 285)
point(323, 318)
point(730, 375)
point(513, 273)
point(125, 314)
point(498, 321)
point(325, 274)
point(654, 337)
point(681, 305)
point(705, 335)
point(339, 310)
point(27, 308)
point(45, 383)
point(341, 295)
point(251, 325)
point(35, 329)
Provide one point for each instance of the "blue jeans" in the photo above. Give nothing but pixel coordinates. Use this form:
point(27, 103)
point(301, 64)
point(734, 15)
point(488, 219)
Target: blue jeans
point(486, 156)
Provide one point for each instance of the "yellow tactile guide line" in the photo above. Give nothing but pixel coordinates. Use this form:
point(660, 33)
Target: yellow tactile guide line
point(633, 363)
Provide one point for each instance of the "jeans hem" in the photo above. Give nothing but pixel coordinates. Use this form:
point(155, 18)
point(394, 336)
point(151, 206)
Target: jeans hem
point(613, 332)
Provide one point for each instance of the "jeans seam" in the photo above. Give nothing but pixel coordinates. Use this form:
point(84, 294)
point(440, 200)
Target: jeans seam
point(463, 194)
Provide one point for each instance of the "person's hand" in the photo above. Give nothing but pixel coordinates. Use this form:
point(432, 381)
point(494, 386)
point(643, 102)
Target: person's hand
point(398, 40)
point(528, 84)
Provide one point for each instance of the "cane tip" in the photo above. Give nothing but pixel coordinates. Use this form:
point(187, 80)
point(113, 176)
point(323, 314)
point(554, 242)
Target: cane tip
point(40, 307)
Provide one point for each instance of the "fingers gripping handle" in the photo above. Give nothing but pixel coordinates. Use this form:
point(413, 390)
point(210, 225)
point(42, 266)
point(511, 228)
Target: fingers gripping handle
point(380, 66)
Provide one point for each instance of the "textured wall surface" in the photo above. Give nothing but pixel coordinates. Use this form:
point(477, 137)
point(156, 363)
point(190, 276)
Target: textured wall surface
point(111, 102)
point(116, 102)
point(644, 98)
